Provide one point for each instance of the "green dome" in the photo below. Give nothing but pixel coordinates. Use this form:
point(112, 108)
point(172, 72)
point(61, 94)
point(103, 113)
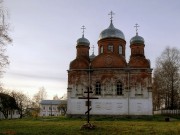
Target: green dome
point(111, 32)
point(92, 56)
point(137, 39)
point(83, 41)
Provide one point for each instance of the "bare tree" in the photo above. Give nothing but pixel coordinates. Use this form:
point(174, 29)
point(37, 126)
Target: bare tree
point(158, 90)
point(63, 107)
point(167, 79)
point(4, 37)
point(23, 102)
point(7, 104)
point(55, 97)
point(40, 95)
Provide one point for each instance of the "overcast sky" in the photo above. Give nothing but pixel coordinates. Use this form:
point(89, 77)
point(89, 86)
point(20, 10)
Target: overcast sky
point(45, 32)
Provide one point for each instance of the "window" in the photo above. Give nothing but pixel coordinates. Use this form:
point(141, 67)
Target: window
point(120, 49)
point(98, 88)
point(43, 107)
point(110, 48)
point(101, 49)
point(119, 88)
point(50, 108)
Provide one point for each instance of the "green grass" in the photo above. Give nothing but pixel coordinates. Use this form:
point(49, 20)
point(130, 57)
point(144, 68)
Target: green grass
point(104, 126)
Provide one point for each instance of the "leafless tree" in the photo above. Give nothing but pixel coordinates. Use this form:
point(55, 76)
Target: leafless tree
point(23, 102)
point(7, 104)
point(40, 95)
point(158, 90)
point(4, 37)
point(167, 79)
point(55, 97)
point(63, 107)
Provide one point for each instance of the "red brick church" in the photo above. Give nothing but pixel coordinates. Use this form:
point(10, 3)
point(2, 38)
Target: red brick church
point(122, 87)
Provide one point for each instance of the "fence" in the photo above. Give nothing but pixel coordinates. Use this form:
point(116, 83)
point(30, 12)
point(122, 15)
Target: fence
point(167, 112)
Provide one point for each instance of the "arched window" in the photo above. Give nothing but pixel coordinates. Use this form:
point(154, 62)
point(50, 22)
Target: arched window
point(120, 49)
point(119, 89)
point(98, 88)
point(110, 48)
point(101, 49)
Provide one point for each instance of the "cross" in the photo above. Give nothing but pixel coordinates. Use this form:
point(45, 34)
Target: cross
point(111, 14)
point(83, 27)
point(89, 91)
point(93, 48)
point(136, 25)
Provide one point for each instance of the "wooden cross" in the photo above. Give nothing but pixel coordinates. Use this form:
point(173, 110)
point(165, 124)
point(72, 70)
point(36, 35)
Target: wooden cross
point(88, 102)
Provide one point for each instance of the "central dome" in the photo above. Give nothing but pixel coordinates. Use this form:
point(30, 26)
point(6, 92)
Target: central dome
point(111, 32)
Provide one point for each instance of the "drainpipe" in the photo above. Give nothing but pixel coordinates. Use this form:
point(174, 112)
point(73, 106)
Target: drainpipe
point(88, 107)
point(128, 91)
point(51, 109)
point(128, 87)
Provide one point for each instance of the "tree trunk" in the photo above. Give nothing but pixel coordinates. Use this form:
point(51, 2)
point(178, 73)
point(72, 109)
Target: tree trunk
point(5, 113)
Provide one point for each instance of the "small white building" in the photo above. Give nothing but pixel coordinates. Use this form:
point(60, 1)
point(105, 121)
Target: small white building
point(50, 108)
point(12, 114)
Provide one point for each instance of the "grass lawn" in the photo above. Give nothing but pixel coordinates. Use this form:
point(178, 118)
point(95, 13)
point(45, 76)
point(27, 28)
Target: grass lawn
point(104, 126)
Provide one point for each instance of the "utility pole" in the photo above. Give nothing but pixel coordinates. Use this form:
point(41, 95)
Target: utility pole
point(51, 108)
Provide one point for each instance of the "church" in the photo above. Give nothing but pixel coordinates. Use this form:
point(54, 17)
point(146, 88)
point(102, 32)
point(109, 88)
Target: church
point(116, 86)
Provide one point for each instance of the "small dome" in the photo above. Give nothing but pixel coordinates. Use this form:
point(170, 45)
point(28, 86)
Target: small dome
point(83, 41)
point(92, 56)
point(137, 39)
point(111, 32)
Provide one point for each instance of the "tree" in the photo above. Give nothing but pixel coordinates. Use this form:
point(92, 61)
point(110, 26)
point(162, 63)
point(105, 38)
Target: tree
point(158, 91)
point(40, 95)
point(167, 79)
point(7, 104)
point(4, 38)
point(55, 97)
point(23, 102)
point(63, 107)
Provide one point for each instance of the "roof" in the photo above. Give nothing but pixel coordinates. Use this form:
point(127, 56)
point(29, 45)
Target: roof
point(137, 39)
point(51, 102)
point(92, 56)
point(111, 32)
point(83, 41)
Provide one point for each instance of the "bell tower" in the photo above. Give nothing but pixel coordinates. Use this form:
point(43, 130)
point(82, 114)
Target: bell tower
point(83, 46)
point(82, 53)
point(137, 58)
